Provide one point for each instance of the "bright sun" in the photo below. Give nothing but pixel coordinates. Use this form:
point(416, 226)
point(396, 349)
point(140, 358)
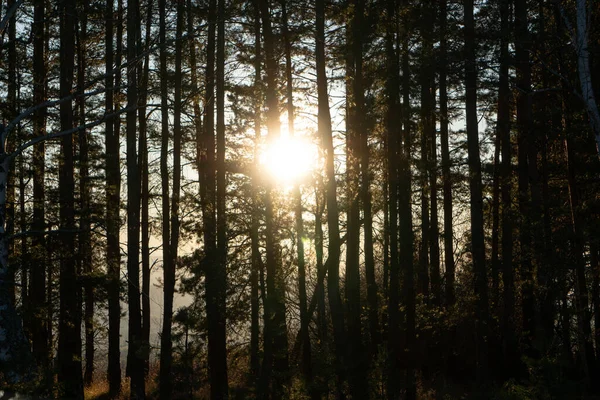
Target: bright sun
point(288, 159)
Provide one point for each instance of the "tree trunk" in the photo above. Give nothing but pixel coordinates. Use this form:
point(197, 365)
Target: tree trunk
point(476, 199)
point(69, 336)
point(325, 133)
point(113, 188)
point(85, 244)
point(446, 163)
point(145, 195)
point(508, 337)
point(406, 223)
point(215, 275)
point(394, 151)
point(298, 209)
point(275, 280)
point(354, 130)
point(254, 224)
point(135, 358)
point(39, 334)
point(365, 192)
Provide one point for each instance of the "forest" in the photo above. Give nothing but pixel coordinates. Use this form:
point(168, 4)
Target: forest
point(288, 199)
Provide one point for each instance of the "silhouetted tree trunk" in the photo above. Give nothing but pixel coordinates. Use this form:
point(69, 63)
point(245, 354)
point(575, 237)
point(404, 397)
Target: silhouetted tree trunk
point(354, 127)
point(85, 245)
point(476, 200)
point(215, 274)
point(426, 119)
point(298, 209)
point(365, 192)
point(220, 389)
point(431, 132)
point(509, 344)
point(69, 336)
point(527, 173)
point(39, 334)
point(446, 163)
point(254, 224)
point(333, 256)
point(135, 358)
point(145, 194)
point(275, 282)
point(405, 215)
point(113, 185)
point(394, 151)
point(172, 237)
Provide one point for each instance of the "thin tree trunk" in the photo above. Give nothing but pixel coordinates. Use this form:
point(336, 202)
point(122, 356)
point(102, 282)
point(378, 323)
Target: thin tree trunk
point(215, 295)
point(298, 210)
point(85, 245)
point(525, 143)
point(325, 133)
point(365, 192)
point(145, 195)
point(275, 282)
point(113, 185)
point(39, 334)
point(446, 163)
point(405, 229)
point(165, 377)
point(476, 199)
point(69, 339)
point(509, 344)
point(254, 224)
point(219, 390)
point(495, 262)
point(394, 151)
point(172, 238)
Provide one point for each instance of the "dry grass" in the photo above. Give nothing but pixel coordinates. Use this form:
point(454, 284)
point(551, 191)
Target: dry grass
point(99, 389)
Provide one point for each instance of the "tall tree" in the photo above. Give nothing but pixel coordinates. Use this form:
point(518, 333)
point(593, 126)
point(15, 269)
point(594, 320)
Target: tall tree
point(85, 243)
point(113, 188)
point(69, 331)
point(326, 135)
point(276, 332)
point(405, 212)
point(476, 199)
point(298, 208)
point(171, 239)
point(394, 150)
point(135, 358)
point(215, 274)
point(445, 150)
point(145, 193)
point(509, 345)
point(39, 334)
